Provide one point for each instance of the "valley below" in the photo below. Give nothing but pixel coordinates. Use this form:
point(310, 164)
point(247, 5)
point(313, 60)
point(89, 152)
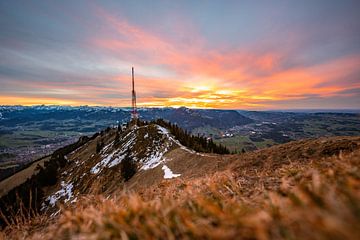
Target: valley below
point(28, 133)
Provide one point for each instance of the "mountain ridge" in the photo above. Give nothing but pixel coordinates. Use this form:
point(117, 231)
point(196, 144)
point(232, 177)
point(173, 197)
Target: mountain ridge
point(164, 164)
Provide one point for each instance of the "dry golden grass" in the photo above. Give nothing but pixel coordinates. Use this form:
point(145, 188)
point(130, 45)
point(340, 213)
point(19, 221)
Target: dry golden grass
point(313, 199)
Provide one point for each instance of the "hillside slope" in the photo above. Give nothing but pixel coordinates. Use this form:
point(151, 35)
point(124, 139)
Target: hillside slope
point(289, 191)
point(154, 151)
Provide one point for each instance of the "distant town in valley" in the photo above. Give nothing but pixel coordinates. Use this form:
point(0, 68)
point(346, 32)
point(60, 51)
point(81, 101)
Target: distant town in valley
point(27, 133)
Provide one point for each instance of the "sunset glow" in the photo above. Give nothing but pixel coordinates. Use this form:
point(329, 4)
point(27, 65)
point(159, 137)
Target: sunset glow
point(204, 55)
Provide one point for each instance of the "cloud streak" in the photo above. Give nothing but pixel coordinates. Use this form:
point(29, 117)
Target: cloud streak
point(188, 70)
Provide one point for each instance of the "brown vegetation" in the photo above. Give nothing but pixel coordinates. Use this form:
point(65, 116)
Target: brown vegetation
point(302, 190)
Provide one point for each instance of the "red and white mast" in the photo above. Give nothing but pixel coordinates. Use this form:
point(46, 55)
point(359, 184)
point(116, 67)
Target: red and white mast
point(134, 113)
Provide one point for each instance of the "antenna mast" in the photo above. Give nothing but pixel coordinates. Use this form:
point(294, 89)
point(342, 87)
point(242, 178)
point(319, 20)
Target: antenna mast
point(134, 113)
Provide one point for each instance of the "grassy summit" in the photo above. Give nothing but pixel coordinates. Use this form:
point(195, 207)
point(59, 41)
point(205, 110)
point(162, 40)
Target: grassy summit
point(308, 189)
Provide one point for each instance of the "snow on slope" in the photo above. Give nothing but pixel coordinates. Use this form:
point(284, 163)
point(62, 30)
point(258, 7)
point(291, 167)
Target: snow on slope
point(65, 192)
point(166, 132)
point(103, 163)
point(146, 145)
point(168, 174)
point(157, 146)
point(155, 153)
point(114, 158)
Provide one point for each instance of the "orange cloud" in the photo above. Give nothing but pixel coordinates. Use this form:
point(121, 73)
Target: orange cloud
point(193, 74)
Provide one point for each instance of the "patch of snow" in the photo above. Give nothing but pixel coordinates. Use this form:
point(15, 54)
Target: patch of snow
point(116, 161)
point(166, 132)
point(114, 158)
point(168, 174)
point(100, 165)
point(65, 191)
point(158, 150)
point(153, 160)
point(129, 143)
point(107, 147)
point(187, 149)
point(162, 130)
point(146, 135)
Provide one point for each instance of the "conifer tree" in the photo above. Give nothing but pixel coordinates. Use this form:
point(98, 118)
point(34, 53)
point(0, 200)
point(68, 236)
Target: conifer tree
point(117, 138)
point(128, 166)
point(98, 146)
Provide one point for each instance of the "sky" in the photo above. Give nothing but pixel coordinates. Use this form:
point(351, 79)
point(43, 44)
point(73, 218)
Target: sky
point(199, 54)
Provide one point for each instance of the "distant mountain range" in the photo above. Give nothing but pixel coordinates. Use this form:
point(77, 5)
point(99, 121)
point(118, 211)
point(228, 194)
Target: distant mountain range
point(185, 117)
point(27, 133)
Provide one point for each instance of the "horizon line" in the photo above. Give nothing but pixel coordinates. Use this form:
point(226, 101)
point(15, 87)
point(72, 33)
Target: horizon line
point(176, 107)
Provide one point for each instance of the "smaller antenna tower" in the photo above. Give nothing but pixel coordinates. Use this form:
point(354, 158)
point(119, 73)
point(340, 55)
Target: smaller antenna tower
point(134, 113)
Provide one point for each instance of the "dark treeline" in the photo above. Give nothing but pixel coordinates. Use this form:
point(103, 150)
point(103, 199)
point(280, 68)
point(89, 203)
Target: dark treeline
point(197, 143)
point(27, 197)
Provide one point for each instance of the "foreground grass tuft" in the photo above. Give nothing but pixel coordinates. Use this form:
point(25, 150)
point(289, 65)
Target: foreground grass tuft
point(318, 199)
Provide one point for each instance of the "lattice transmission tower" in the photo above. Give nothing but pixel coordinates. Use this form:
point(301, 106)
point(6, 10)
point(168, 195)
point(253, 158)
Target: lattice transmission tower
point(134, 113)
